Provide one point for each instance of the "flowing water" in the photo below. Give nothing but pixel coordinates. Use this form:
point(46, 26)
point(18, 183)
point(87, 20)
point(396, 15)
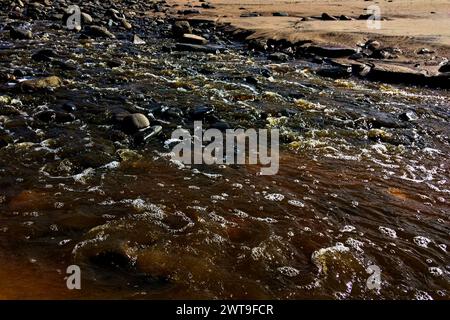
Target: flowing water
point(357, 186)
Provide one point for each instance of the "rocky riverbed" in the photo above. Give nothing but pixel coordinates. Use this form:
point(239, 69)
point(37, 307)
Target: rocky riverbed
point(86, 177)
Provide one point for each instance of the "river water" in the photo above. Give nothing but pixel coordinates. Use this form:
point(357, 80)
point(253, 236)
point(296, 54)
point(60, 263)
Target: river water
point(357, 187)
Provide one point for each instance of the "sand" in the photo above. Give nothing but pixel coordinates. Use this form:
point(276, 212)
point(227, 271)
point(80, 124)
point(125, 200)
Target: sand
point(407, 24)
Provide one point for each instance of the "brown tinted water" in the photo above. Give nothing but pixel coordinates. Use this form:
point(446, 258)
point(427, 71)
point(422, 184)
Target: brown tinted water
point(357, 186)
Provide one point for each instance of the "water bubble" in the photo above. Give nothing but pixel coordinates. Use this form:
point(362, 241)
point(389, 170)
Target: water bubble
point(388, 232)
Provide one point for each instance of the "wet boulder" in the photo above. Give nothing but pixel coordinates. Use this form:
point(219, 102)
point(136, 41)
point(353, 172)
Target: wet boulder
point(179, 28)
point(278, 57)
point(135, 122)
point(98, 32)
point(408, 116)
point(328, 17)
point(393, 73)
point(330, 52)
point(335, 72)
point(20, 34)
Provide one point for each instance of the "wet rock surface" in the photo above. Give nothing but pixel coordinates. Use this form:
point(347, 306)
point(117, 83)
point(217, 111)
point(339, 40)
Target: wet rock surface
point(85, 126)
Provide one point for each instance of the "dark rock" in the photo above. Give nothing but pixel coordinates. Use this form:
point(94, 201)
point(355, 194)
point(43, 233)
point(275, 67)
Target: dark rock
point(345, 18)
point(257, 44)
point(20, 34)
point(198, 48)
point(179, 28)
point(69, 107)
point(372, 45)
point(45, 55)
point(331, 52)
point(220, 125)
point(54, 116)
point(251, 80)
point(98, 32)
point(445, 67)
point(408, 116)
point(250, 14)
point(391, 73)
point(208, 6)
point(189, 11)
point(382, 54)
point(200, 112)
point(280, 14)
point(278, 56)
point(335, 72)
point(325, 16)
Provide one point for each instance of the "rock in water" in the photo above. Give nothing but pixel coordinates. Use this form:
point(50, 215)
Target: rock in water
point(327, 17)
point(279, 56)
point(135, 122)
point(179, 28)
point(192, 38)
point(445, 67)
point(99, 32)
point(137, 40)
point(335, 72)
point(20, 34)
point(41, 84)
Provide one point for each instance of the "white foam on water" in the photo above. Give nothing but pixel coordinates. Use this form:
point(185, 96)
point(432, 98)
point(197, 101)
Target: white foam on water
point(274, 197)
point(388, 232)
point(421, 241)
point(296, 203)
point(347, 228)
point(422, 295)
point(288, 271)
point(435, 271)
